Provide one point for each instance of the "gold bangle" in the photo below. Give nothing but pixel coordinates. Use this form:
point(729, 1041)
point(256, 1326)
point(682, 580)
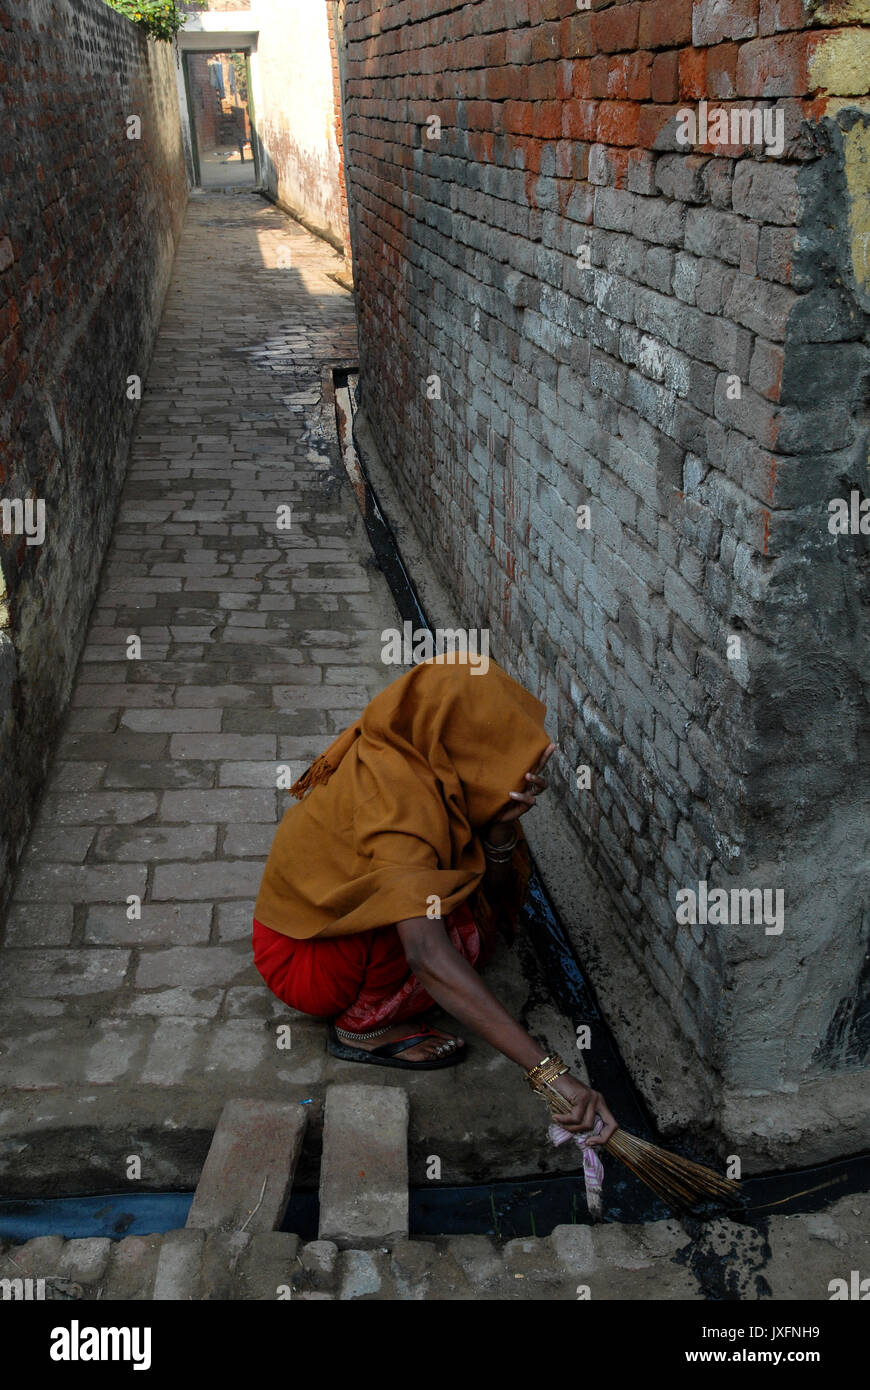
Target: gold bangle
point(540, 1078)
point(546, 1071)
point(546, 1065)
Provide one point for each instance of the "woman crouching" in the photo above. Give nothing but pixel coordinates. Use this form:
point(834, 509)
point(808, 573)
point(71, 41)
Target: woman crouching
point(389, 880)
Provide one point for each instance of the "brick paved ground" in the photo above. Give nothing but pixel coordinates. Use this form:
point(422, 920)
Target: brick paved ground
point(126, 1034)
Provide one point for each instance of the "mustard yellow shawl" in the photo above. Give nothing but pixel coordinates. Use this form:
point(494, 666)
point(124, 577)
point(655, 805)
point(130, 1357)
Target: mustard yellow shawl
point(389, 818)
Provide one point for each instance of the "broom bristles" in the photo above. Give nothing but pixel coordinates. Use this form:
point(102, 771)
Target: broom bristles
point(678, 1181)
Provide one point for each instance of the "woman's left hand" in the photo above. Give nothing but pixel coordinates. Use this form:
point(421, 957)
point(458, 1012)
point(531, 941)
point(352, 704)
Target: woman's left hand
point(523, 801)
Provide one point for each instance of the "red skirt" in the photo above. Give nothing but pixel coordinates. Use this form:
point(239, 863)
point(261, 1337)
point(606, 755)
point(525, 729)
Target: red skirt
point(362, 981)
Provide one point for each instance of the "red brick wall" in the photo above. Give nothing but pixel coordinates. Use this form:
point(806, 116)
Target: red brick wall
point(610, 386)
point(88, 225)
point(205, 99)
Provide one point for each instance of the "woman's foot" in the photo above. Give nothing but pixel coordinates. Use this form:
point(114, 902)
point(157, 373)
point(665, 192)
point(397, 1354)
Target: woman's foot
point(430, 1049)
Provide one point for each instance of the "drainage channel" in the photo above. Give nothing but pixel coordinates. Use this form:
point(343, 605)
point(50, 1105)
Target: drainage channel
point(505, 1210)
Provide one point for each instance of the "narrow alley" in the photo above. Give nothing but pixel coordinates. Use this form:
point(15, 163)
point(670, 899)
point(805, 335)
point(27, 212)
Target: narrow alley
point(258, 644)
point(545, 329)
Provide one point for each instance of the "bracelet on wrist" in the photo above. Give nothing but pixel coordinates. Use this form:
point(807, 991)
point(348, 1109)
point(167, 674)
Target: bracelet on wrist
point(541, 1077)
point(500, 854)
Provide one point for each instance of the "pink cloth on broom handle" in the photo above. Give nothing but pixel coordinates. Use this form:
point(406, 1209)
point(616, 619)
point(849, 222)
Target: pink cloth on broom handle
point(593, 1168)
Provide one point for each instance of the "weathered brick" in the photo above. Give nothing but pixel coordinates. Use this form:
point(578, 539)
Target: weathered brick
point(132, 1268)
point(179, 1263)
point(777, 15)
point(721, 71)
point(766, 192)
point(664, 78)
point(269, 1266)
point(681, 177)
point(774, 67)
point(659, 220)
point(692, 74)
point(364, 1168)
point(765, 372)
point(711, 232)
point(776, 254)
point(84, 1261)
point(761, 306)
point(665, 23)
point(249, 1169)
point(616, 28)
point(715, 20)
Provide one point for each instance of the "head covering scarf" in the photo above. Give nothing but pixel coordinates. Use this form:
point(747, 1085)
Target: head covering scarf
point(388, 822)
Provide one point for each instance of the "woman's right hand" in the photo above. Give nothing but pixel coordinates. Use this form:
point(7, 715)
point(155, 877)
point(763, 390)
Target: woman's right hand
point(586, 1104)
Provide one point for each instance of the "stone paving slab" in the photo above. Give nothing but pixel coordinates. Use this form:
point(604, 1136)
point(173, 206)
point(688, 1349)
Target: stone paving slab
point(364, 1166)
point(255, 1142)
point(177, 1276)
point(794, 1257)
point(131, 1010)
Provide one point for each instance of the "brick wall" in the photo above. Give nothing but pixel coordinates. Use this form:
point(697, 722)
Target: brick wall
point(298, 116)
point(335, 20)
point(699, 387)
point(205, 100)
point(88, 224)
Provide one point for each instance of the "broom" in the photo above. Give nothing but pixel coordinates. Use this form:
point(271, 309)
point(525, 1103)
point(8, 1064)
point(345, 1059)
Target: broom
point(677, 1181)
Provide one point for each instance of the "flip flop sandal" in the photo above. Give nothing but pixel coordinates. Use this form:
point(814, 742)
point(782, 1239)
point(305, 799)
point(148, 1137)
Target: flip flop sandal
point(387, 1054)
